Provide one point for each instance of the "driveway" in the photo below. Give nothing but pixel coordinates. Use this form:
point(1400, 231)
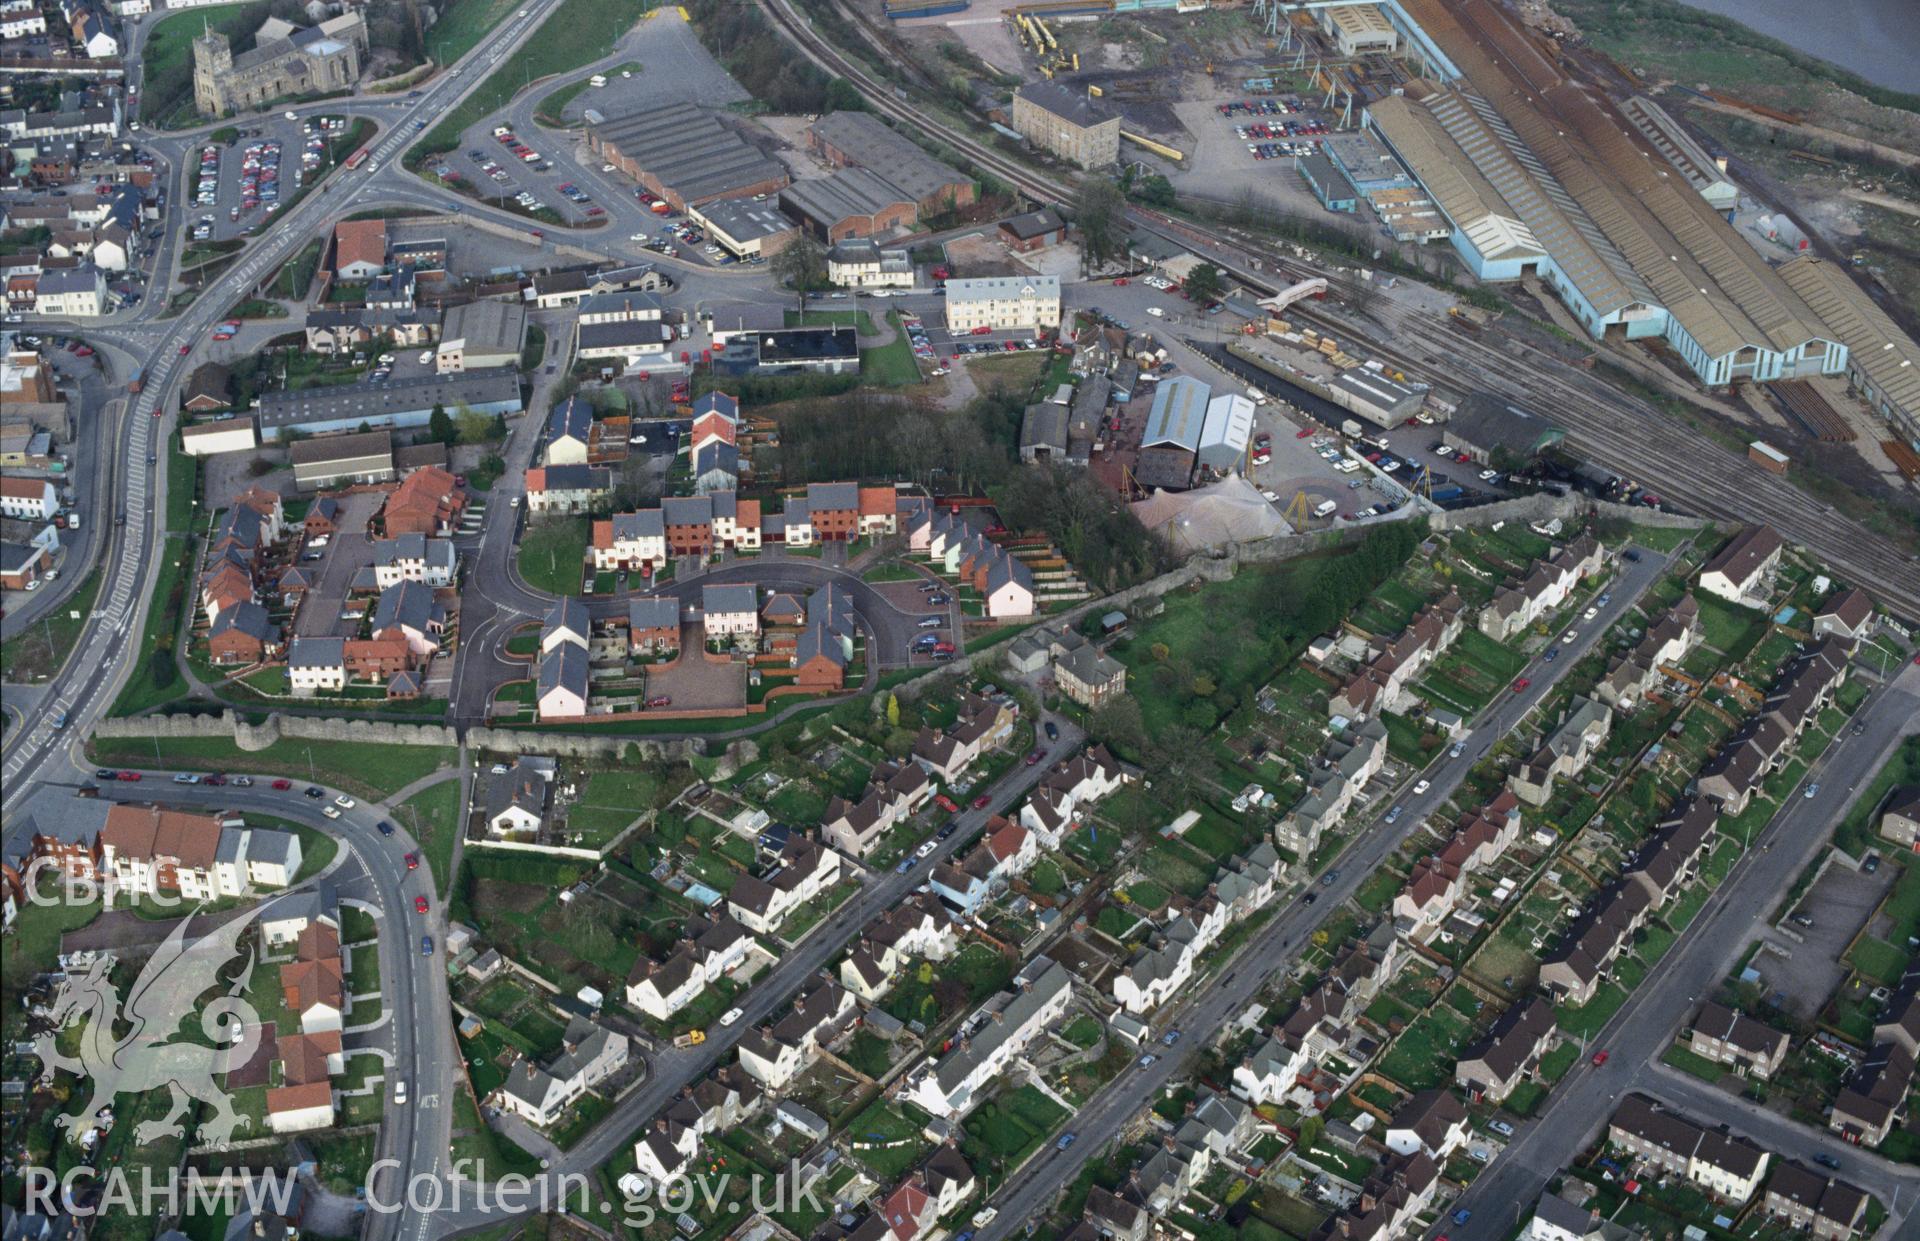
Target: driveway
point(349, 551)
point(696, 684)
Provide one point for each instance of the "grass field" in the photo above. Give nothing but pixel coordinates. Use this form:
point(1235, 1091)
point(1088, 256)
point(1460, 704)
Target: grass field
point(40, 651)
point(577, 33)
point(891, 365)
point(167, 57)
point(464, 24)
point(363, 769)
point(553, 554)
point(610, 801)
point(432, 817)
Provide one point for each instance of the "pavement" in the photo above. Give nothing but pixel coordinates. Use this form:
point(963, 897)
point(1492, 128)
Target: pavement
point(413, 986)
point(38, 760)
point(1030, 1192)
point(1734, 916)
point(672, 1068)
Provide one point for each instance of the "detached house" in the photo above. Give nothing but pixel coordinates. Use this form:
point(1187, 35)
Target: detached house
point(1740, 572)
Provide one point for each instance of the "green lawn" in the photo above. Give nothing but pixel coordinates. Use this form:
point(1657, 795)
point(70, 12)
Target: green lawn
point(463, 24)
point(40, 651)
point(610, 801)
point(361, 768)
point(576, 33)
point(891, 571)
point(891, 365)
point(553, 554)
point(432, 816)
point(167, 57)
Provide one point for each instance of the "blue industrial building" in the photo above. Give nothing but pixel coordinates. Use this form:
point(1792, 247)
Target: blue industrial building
point(1329, 185)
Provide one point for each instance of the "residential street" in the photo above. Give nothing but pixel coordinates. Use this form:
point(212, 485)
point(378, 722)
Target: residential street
point(1209, 1008)
point(1580, 1104)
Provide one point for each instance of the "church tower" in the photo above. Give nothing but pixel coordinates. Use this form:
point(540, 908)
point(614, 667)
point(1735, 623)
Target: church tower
point(212, 63)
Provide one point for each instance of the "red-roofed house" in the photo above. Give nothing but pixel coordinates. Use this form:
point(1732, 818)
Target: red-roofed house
point(1012, 847)
point(428, 502)
point(879, 511)
point(359, 249)
point(908, 1210)
point(291, 1109)
point(148, 850)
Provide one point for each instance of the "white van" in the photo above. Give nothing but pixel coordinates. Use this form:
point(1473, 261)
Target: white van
point(598, 79)
point(1324, 508)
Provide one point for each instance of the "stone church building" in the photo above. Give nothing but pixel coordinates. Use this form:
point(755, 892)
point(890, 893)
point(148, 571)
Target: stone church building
point(285, 60)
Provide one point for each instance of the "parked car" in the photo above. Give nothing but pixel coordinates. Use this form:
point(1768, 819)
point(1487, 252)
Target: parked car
point(980, 802)
point(413, 861)
point(386, 828)
point(282, 785)
point(730, 1016)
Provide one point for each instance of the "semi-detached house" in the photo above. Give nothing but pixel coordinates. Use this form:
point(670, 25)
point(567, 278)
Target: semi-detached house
point(707, 952)
point(1001, 1031)
point(1509, 1053)
point(1726, 1166)
point(1548, 584)
point(1727, 1036)
point(589, 1054)
point(777, 1054)
point(805, 870)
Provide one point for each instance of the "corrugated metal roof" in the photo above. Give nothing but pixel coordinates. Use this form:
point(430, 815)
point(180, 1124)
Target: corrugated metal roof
point(1179, 413)
point(1876, 345)
point(1466, 197)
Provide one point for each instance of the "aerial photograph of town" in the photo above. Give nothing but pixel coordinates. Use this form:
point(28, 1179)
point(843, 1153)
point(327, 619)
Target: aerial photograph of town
point(960, 620)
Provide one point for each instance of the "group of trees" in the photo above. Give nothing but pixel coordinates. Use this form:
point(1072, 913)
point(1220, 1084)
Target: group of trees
point(465, 425)
point(1091, 525)
point(869, 435)
point(740, 38)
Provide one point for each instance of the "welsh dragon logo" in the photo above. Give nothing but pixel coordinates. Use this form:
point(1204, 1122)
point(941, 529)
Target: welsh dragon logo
point(146, 1056)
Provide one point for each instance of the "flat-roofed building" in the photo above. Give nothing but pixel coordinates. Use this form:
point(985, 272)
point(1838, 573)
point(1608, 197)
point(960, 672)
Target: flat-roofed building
point(745, 228)
point(685, 154)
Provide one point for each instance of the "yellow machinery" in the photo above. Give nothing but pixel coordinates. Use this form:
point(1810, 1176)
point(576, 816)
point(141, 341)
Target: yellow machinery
point(1158, 148)
point(1053, 45)
point(1298, 513)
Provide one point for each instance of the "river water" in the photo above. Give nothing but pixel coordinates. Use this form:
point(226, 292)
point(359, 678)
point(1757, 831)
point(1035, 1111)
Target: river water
point(1877, 39)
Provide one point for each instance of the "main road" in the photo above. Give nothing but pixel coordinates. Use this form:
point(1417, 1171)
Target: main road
point(413, 984)
point(38, 756)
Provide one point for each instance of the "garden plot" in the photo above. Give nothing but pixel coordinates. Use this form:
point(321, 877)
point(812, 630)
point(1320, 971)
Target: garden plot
point(536, 913)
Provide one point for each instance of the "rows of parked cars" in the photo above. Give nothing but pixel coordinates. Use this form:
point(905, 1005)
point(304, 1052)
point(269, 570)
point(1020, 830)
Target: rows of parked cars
point(259, 177)
point(1272, 106)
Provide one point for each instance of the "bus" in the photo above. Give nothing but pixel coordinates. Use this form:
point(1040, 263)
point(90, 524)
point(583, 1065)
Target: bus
point(358, 158)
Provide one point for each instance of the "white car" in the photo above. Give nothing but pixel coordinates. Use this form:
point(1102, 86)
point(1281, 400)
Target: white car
point(385, 359)
point(1567, 638)
point(923, 850)
point(400, 1091)
point(330, 812)
point(1422, 787)
point(426, 357)
point(730, 1016)
point(1590, 613)
point(344, 802)
point(1487, 476)
point(1156, 312)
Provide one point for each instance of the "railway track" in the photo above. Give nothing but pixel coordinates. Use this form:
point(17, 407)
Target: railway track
point(1613, 428)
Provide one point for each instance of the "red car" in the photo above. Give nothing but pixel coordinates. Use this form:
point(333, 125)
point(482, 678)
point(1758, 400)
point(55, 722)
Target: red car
point(129, 776)
point(1521, 684)
point(419, 904)
point(1461, 458)
point(283, 785)
point(1120, 283)
point(982, 330)
point(1035, 757)
point(943, 648)
point(1599, 1058)
point(413, 861)
point(980, 802)
point(185, 350)
point(660, 700)
point(946, 803)
point(1303, 433)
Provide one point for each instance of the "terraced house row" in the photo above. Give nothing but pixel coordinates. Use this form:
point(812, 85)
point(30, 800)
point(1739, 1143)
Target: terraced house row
point(645, 540)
